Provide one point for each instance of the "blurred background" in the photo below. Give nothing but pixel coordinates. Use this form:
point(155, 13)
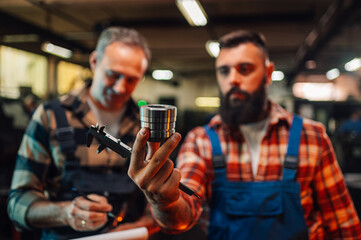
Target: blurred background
point(315, 45)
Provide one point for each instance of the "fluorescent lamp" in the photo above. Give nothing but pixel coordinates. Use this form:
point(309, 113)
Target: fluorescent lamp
point(314, 91)
point(353, 65)
point(56, 50)
point(212, 48)
point(333, 74)
point(17, 38)
point(277, 76)
point(162, 74)
point(207, 102)
point(193, 12)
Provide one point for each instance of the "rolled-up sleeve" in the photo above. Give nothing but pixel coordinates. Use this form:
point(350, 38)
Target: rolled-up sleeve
point(191, 162)
point(31, 165)
point(18, 205)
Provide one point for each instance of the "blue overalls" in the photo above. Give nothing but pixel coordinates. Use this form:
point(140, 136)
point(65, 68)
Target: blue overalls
point(257, 210)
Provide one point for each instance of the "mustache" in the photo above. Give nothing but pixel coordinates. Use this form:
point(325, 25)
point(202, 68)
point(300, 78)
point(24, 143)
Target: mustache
point(237, 91)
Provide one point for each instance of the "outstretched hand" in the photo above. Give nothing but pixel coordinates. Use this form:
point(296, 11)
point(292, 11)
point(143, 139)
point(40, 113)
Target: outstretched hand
point(155, 174)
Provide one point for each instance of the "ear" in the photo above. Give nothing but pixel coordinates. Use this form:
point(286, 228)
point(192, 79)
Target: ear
point(269, 70)
point(93, 60)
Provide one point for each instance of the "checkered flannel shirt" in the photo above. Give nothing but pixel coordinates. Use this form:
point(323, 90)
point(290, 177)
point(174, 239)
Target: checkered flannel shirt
point(328, 209)
point(39, 150)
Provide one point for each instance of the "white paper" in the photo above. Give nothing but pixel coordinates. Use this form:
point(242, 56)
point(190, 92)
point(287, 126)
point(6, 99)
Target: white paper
point(131, 234)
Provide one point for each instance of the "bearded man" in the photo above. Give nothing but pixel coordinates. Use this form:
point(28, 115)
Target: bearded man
point(261, 172)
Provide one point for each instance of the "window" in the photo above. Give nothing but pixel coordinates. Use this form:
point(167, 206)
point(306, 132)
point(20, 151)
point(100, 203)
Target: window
point(20, 69)
point(71, 76)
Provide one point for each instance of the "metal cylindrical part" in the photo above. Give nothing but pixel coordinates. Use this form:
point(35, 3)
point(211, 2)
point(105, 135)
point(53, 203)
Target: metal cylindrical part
point(160, 119)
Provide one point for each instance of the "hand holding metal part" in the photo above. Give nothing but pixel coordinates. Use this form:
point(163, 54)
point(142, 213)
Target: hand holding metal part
point(160, 128)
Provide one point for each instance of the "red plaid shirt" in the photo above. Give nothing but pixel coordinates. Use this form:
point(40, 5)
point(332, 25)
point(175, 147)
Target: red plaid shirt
point(327, 206)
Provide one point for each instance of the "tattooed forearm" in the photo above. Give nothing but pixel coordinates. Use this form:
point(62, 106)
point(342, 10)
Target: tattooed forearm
point(174, 218)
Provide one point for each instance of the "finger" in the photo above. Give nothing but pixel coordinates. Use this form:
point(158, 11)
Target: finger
point(97, 198)
point(170, 188)
point(81, 203)
point(92, 205)
point(101, 203)
point(86, 225)
point(161, 156)
point(80, 225)
point(138, 152)
point(97, 216)
point(174, 179)
point(162, 175)
point(79, 213)
point(152, 148)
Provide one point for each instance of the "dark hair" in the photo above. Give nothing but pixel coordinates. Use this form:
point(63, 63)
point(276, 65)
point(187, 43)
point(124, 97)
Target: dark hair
point(233, 39)
point(127, 36)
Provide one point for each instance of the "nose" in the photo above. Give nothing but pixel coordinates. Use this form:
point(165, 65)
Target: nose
point(234, 77)
point(119, 87)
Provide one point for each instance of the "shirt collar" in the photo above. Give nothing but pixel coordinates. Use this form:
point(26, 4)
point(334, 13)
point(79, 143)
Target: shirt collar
point(129, 121)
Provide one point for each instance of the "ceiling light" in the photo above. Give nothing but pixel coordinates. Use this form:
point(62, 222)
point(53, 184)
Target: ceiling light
point(162, 74)
point(212, 48)
point(193, 12)
point(353, 65)
point(207, 102)
point(56, 50)
point(17, 38)
point(314, 91)
point(332, 74)
point(277, 76)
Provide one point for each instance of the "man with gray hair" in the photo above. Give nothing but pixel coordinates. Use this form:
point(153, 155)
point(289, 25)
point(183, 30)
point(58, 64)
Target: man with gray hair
point(55, 167)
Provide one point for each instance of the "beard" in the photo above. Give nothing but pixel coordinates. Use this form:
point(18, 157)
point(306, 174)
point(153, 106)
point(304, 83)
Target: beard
point(242, 111)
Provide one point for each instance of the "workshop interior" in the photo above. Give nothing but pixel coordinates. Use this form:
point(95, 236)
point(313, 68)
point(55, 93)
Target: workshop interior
point(314, 44)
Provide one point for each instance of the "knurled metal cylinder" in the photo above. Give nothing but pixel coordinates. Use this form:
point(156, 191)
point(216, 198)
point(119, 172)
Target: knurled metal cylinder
point(160, 119)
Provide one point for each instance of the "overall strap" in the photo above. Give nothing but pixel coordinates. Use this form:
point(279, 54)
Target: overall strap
point(74, 105)
point(64, 133)
point(218, 158)
point(291, 159)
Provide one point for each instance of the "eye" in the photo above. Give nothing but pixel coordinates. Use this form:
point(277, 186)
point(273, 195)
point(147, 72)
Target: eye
point(131, 80)
point(223, 70)
point(114, 75)
point(245, 69)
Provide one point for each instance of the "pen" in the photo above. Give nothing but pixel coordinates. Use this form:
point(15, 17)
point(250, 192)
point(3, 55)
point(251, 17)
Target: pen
point(91, 200)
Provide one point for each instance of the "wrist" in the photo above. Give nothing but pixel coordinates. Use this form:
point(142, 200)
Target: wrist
point(66, 213)
point(161, 205)
point(45, 214)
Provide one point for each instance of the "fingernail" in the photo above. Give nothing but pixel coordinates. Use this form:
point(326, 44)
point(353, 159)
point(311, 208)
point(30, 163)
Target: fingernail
point(143, 131)
point(175, 137)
